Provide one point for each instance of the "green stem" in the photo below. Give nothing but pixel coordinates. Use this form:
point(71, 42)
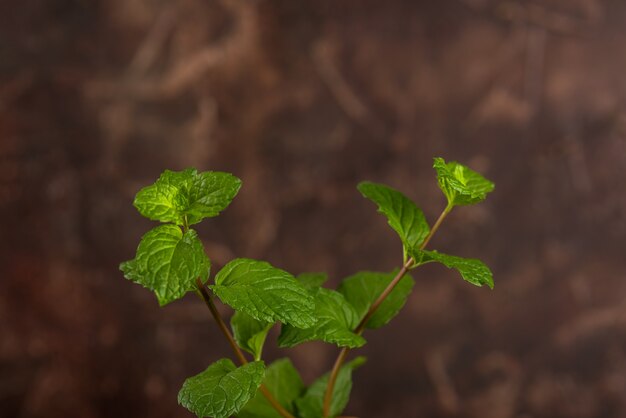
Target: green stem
point(328, 395)
point(341, 358)
point(204, 294)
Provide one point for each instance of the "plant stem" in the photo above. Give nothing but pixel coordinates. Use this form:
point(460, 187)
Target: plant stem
point(359, 329)
point(278, 407)
point(436, 225)
point(220, 322)
point(238, 353)
point(328, 395)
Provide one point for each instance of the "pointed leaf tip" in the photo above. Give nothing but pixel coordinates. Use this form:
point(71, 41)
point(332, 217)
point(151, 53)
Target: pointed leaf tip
point(402, 214)
point(472, 270)
point(460, 184)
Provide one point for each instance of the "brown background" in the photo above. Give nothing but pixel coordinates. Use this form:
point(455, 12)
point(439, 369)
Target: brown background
point(303, 99)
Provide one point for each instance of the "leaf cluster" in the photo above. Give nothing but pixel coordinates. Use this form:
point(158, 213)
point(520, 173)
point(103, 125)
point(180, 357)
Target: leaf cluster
point(171, 261)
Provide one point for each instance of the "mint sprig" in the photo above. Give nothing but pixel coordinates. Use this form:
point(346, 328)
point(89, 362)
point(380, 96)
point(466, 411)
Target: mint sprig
point(171, 261)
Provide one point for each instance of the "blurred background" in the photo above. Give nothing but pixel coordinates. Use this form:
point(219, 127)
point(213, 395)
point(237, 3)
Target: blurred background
point(302, 100)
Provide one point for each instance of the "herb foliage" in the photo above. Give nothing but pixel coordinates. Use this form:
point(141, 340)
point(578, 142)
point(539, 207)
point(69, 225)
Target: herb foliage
point(171, 261)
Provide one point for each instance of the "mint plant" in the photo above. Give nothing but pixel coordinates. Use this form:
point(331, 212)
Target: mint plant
point(171, 261)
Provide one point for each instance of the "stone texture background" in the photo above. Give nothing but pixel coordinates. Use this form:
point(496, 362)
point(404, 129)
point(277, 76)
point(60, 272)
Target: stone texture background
point(303, 99)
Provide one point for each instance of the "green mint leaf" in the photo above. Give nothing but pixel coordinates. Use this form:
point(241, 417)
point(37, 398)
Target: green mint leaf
point(222, 389)
point(460, 184)
point(284, 383)
point(249, 333)
point(362, 289)
point(336, 319)
point(264, 292)
point(402, 214)
point(186, 197)
point(168, 262)
point(312, 281)
point(471, 269)
point(311, 404)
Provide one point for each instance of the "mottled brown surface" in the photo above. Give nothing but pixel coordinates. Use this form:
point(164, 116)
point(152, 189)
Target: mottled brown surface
point(303, 99)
